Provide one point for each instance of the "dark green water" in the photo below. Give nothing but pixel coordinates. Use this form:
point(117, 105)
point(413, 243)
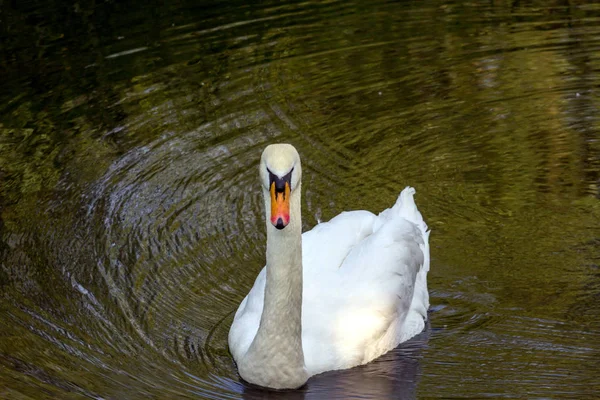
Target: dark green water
point(131, 219)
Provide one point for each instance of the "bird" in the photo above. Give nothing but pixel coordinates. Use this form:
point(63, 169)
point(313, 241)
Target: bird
point(335, 297)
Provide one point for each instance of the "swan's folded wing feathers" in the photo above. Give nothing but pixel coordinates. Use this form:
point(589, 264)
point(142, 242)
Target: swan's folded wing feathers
point(327, 245)
point(380, 274)
point(392, 248)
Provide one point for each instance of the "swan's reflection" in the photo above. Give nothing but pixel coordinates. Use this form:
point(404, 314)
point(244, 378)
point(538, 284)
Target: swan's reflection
point(392, 376)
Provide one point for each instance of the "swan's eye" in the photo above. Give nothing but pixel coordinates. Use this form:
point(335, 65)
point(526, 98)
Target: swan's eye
point(280, 189)
point(280, 182)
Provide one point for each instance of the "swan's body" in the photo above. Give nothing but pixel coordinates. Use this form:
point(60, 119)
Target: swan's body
point(335, 297)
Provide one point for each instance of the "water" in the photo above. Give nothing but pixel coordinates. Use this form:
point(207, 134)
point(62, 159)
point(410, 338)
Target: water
point(131, 221)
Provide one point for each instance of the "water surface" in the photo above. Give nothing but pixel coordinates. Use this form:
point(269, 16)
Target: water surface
point(131, 218)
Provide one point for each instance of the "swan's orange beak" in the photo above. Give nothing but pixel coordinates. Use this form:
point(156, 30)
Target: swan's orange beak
point(280, 205)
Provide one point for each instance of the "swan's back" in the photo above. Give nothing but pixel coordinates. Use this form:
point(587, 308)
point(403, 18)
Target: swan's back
point(365, 287)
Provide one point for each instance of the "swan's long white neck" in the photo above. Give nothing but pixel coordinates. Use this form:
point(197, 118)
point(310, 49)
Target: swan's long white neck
point(275, 358)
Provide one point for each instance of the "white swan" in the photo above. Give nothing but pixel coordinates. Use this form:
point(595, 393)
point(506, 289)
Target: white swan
point(332, 298)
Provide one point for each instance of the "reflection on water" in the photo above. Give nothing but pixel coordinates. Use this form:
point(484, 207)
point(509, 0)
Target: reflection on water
point(131, 224)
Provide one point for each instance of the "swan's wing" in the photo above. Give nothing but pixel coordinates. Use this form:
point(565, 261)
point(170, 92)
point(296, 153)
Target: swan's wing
point(370, 304)
point(326, 246)
point(399, 246)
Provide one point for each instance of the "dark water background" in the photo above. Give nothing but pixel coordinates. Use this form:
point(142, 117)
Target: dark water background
point(131, 220)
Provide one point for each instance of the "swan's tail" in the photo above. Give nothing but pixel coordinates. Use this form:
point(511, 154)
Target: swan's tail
point(406, 208)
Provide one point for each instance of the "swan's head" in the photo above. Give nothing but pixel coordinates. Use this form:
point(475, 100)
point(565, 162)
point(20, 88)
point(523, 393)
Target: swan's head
point(280, 174)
